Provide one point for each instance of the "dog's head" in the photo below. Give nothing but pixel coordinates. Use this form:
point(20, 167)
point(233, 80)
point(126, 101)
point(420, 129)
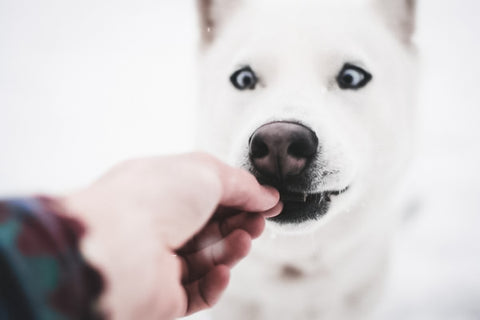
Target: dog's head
point(313, 97)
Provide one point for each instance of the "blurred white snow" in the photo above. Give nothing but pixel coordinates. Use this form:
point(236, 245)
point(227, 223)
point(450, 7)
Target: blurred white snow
point(436, 260)
point(85, 84)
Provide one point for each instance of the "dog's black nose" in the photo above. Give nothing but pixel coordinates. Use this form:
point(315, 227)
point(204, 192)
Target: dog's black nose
point(282, 149)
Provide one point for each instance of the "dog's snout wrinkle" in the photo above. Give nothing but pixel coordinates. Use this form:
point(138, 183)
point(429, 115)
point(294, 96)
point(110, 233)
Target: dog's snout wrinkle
point(282, 149)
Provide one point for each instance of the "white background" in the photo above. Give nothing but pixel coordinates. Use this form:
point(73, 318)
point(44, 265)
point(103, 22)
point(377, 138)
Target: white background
point(85, 84)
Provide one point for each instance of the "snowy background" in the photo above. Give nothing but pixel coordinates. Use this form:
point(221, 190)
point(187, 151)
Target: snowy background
point(85, 84)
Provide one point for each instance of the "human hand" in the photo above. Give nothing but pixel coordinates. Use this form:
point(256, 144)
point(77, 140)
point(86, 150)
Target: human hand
point(166, 231)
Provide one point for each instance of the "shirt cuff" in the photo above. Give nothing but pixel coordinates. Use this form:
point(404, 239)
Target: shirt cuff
point(43, 274)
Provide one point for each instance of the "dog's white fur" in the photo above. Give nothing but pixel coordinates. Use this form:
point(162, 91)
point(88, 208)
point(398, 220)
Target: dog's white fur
point(331, 268)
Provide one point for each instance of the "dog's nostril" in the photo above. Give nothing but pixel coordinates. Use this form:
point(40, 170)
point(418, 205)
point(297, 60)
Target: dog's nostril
point(258, 148)
point(302, 148)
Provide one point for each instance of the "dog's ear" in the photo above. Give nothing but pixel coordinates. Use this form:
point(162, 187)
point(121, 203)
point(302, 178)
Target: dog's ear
point(212, 14)
point(400, 16)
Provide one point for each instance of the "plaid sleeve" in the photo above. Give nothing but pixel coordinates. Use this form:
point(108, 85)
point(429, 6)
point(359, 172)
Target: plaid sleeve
point(42, 272)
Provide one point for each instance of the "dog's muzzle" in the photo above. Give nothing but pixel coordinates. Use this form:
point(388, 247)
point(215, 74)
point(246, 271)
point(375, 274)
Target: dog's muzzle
point(281, 154)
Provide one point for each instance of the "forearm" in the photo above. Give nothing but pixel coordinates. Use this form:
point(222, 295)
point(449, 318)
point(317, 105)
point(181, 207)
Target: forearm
point(42, 272)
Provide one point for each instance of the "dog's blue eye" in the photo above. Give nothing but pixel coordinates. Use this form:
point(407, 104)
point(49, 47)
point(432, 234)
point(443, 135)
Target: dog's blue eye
point(244, 79)
point(353, 77)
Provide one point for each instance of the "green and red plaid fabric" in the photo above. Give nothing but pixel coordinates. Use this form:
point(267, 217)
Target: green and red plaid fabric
point(42, 272)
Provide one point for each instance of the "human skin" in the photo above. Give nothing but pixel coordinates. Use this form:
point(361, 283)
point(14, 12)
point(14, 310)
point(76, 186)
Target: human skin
point(165, 232)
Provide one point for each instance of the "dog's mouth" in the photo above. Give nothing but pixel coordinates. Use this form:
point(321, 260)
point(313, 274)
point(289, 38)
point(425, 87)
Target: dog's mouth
point(300, 207)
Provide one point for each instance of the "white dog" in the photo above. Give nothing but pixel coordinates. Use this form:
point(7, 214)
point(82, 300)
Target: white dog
point(316, 98)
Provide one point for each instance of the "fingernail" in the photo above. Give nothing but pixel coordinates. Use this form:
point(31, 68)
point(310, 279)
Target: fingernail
point(275, 211)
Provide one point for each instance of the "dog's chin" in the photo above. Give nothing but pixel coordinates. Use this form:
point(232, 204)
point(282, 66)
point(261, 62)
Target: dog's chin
point(299, 208)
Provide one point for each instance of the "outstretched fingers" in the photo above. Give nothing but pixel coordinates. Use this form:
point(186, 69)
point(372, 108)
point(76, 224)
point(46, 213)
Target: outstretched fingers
point(217, 229)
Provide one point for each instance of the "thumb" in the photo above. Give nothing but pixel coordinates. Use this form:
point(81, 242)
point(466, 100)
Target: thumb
point(209, 183)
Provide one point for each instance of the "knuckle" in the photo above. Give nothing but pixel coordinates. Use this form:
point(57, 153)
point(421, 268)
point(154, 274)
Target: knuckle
point(205, 171)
